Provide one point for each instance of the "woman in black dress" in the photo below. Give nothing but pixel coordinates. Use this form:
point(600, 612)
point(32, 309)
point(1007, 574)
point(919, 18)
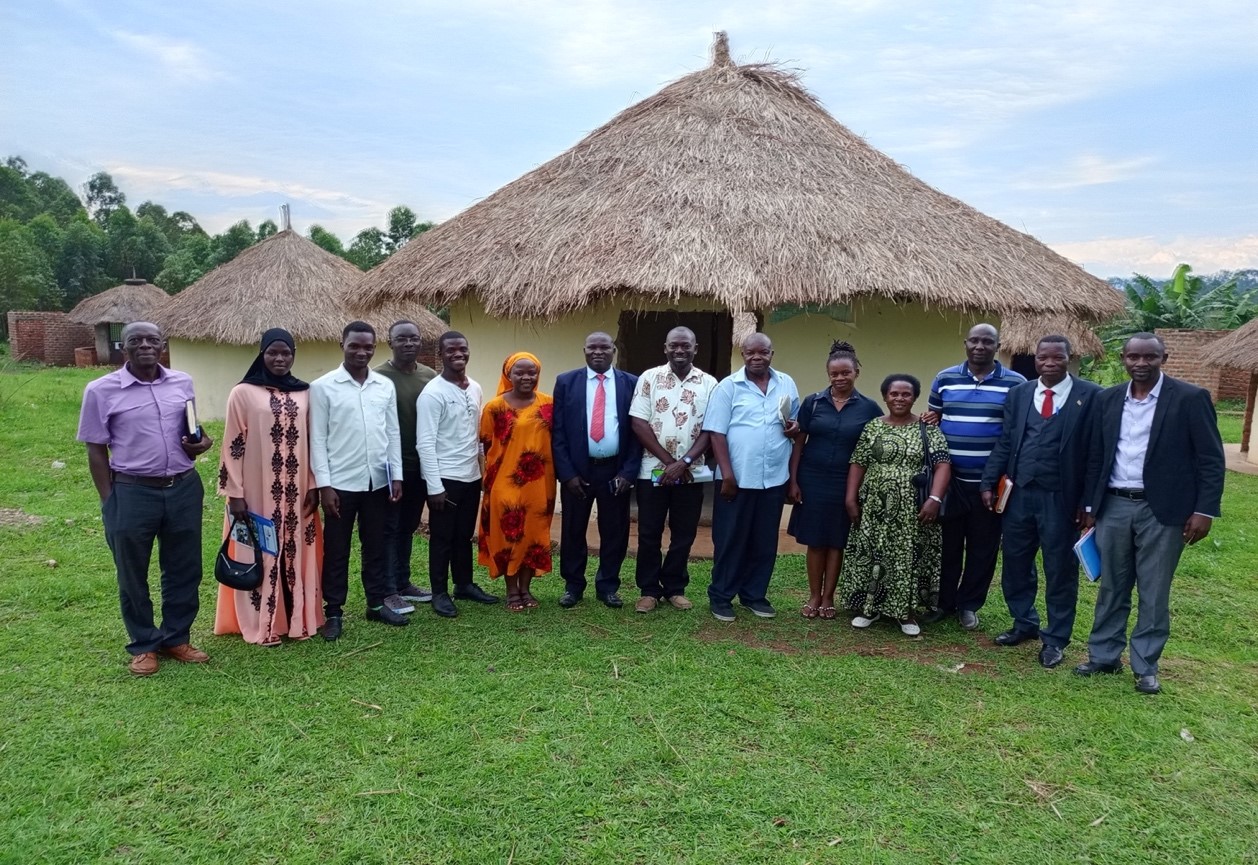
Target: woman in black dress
point(830, 423)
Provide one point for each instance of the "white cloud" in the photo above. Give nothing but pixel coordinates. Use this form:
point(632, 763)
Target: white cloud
point(1087, 169)
point(232, 185)
point(183, 60)
point(1158, 257)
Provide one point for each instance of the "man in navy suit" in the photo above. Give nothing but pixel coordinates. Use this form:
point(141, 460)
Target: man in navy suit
point(596, 460)
point(1154, 482)
point(1041, 451)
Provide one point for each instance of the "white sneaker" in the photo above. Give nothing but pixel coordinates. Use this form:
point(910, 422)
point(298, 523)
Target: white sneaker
point(863, 622)
point(910, 629)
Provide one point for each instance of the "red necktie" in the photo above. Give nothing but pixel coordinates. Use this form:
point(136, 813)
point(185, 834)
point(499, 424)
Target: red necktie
point(1046, 410)
point(600, 409)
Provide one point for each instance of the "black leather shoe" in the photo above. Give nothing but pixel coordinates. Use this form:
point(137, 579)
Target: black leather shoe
point(1013, 637)
point(569, 599)
point(1051, 656)
point(935, 615)
point(1092, 668)
point(473, 592)
point(443, 606)
point(386, 616)
point(332, 628)
point(1148, 684)
point(968, 619)
point(612, 600)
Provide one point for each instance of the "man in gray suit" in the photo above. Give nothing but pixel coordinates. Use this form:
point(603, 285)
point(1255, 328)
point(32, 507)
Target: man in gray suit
point(1154, 482)
point(1041, 451)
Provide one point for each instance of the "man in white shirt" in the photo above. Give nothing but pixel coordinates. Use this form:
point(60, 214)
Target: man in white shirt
point(448, 413)
point(1154, 482)
point(356, 452)
point(667, 417)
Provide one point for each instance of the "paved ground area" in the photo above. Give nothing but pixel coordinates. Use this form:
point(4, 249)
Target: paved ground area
point(1237, 462)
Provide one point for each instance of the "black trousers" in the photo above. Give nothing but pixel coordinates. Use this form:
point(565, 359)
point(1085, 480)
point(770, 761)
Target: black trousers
point(680, 506)
point(613, 533)
point(745, 544)
point(134, 517)
point(399, 531)
point(450, 533)
point(369, 510)
point(1038, 519)
point(970, 544)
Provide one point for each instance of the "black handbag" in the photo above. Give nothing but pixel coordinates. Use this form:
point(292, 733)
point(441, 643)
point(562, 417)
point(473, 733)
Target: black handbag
point(241, 576)
point(924, 479)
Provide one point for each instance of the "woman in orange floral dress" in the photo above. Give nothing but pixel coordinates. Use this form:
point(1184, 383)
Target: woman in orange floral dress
point(519, 500)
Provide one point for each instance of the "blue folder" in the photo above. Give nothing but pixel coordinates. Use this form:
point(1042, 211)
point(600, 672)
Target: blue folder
point(1089, 554)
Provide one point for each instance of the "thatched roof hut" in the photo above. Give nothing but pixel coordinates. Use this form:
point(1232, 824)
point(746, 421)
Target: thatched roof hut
point(1021, 333)
point(134, 300)
point(110, 310)
point(731, 189)
point(285, 281)
point(1239, 350)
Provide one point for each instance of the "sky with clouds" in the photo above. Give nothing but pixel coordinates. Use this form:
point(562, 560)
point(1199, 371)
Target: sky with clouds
point(1123, 134)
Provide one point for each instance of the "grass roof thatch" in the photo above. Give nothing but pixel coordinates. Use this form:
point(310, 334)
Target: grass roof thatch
point(732, 185)
point(134, 300)
point(284, 281)
point(1021, 333)
point(1238, 350)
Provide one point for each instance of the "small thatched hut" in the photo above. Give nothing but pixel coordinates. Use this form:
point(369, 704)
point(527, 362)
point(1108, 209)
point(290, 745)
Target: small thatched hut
point(1020, 333)
point(1239, 350)
point(111, 310)
point(214, 325)
point(730, 193)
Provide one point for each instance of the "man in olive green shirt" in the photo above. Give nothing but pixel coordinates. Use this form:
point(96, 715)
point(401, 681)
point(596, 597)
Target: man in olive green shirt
point(409, 378)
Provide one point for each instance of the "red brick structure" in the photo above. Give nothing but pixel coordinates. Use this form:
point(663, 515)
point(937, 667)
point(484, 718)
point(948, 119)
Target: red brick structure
point(1185, 348)
point(47, 337)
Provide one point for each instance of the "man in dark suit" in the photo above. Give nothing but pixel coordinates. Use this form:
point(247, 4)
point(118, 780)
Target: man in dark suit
point(596, 460)
point(1154, 482)
point(1041, 451)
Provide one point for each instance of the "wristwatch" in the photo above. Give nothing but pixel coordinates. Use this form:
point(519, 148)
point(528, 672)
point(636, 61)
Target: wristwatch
point(687, 460)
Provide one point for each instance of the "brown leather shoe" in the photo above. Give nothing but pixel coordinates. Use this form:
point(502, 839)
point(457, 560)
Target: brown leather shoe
point(187, 653)
point(645, 604)
point(144, 664)
point(680, 602)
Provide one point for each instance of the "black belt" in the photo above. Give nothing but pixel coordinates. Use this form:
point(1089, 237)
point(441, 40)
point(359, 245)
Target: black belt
point(145, 481)
point(603, 461)
point(1134, 495)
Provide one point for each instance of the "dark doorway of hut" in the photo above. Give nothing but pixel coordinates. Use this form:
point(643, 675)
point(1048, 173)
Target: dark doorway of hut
point(1025, 364)
point(640, 339)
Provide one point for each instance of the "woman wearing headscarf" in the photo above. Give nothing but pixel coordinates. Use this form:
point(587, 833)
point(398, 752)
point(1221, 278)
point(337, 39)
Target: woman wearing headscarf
point(265, 470)
point(519, 500)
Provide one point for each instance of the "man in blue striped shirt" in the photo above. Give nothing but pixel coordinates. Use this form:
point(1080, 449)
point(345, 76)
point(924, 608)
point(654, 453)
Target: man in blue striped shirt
point(968, 403)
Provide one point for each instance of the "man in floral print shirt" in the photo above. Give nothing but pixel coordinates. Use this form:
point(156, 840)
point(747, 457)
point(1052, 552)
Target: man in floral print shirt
point(667, 417)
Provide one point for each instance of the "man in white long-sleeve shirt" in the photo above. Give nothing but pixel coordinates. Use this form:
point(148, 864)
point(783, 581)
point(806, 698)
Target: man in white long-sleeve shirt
point(356, 450)
point(449, 455)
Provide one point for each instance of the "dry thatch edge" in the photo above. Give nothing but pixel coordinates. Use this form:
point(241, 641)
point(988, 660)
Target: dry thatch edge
point(1237, 350)
point(644, 206)
point(1020, 334)
point(284, 281)
point(121, 304)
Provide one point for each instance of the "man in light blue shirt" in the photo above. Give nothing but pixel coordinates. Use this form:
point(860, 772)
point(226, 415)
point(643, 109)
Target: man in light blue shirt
point(751, 416)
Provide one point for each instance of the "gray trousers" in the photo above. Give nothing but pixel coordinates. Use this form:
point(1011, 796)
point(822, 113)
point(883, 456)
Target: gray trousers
point(136, 516)
point(1136, 551)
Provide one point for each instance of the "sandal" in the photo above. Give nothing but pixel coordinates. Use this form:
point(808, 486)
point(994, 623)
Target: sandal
point(529, 601)
point(829, 612)
point(808, 611)
point(515, 604)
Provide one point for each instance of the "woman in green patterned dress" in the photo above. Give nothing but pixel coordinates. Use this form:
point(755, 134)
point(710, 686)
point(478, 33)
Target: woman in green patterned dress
point(892, 562)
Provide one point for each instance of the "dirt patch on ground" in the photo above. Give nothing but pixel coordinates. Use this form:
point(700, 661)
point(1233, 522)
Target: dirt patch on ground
point(18, 518)
point(835, 638)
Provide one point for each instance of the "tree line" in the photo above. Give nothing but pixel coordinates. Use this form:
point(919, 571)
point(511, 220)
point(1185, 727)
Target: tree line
point(59, 246)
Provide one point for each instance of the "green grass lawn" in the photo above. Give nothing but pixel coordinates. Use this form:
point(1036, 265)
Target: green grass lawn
point(594, 735)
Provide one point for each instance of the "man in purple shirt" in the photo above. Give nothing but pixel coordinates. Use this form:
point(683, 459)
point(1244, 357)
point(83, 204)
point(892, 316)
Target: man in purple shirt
point(143, 464)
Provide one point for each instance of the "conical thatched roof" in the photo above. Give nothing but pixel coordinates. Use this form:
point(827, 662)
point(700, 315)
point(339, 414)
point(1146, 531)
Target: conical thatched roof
point(1239, 349)
point(134, 300)
point(284, 281)
point(733, 185)
point(1021, 333)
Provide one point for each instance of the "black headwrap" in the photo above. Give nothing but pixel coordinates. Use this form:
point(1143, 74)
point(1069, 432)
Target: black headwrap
point(258, 373)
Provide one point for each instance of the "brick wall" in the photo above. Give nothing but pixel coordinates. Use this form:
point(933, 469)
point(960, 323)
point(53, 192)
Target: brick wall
point(47, 337)
point(1185, 348)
